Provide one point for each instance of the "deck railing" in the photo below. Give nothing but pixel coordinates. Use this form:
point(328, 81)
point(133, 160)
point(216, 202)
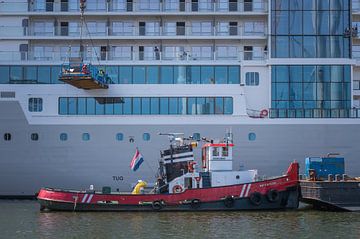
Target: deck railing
point(153, 6)
point(314, 113)
point(112, 56)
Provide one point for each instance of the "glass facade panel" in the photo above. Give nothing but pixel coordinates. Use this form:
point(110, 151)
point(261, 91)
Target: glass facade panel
point(139, 75)
point(72, 106)
point(164, 106)
point(127, 106)
point(191, 106)
point(81, 106)
point(136, 104)
point(319, 88)
point(145, 106)
point(125, 75)
point(207, 75)
point(180, 74)
point(99, 106)
point(221, 75)
point(295, 22)
point(194, 75)
point(307, 25)
point(234, 75)
point(167, 75)
point(154, 105)
point(152, 74)
point(173, 106)
point(16, 74)
point(109, 106)
point(4, 73)
point(55, 70)
point(43, 75)
point(113, 73)
point(219, 105)
point(309, 50)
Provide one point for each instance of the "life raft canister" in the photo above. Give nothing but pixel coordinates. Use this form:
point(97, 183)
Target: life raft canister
point(264, 113)
point(177, 189)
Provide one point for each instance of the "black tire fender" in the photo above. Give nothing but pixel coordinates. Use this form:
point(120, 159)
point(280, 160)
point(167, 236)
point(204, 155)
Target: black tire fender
point(255, 198)
point(195, 203)
point(273, 195)
point(229, 201)
point(157, 205)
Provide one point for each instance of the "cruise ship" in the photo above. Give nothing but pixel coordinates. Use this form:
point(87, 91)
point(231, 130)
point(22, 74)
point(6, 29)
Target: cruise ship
point(282, 76)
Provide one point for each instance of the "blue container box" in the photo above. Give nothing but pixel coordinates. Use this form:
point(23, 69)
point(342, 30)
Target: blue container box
point(324, 166)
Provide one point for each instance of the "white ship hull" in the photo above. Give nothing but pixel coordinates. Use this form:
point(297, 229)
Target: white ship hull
point(26, 165)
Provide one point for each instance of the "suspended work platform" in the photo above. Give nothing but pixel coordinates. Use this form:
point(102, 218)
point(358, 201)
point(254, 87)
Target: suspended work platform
point(84, 76)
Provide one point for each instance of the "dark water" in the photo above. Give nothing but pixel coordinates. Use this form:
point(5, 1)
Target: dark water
point(22, 219)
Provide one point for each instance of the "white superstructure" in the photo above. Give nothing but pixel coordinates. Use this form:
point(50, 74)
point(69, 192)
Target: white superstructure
point(282, 75)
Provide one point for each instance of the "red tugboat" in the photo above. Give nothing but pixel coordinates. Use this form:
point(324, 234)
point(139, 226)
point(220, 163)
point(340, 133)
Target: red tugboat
point(180, 187)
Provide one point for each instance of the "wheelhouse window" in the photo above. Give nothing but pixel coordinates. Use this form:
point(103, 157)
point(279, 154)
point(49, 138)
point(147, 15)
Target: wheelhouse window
point(35, 104)
point(252, 78)
point(146, 136)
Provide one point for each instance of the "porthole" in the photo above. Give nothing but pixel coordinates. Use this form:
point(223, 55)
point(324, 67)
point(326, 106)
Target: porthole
point(7, 136)
point(86, 136)
point(119, 137)
point(34, 137)
point(146, 136)
point(252, 136)
point(63, 136)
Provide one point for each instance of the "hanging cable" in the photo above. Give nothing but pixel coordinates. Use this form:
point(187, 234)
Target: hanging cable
point(82, 23)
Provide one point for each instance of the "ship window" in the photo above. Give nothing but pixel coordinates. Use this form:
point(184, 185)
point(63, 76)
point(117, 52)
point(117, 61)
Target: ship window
point(215, 151)
point(252, 136)
point(63, 136)
point(252, 78)
point(119, 137)
point(85, 136)
point(146, 136)
point(196, 136)
point(34, 137)
point(225, 151)
point(7, 136)
point(35, 104)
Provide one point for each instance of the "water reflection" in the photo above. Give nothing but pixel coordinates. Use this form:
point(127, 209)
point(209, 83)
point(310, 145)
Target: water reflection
point(22, 219)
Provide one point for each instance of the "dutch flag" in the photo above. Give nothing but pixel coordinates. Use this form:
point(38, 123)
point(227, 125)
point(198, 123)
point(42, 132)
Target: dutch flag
point(136, 161)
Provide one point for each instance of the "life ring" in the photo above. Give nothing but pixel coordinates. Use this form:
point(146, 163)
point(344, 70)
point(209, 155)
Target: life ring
point(195, 203)
point(229, 201)
point(177, 189)
point(156, 205)
point(264, 113)
point(255, 198)
point(273, 195)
